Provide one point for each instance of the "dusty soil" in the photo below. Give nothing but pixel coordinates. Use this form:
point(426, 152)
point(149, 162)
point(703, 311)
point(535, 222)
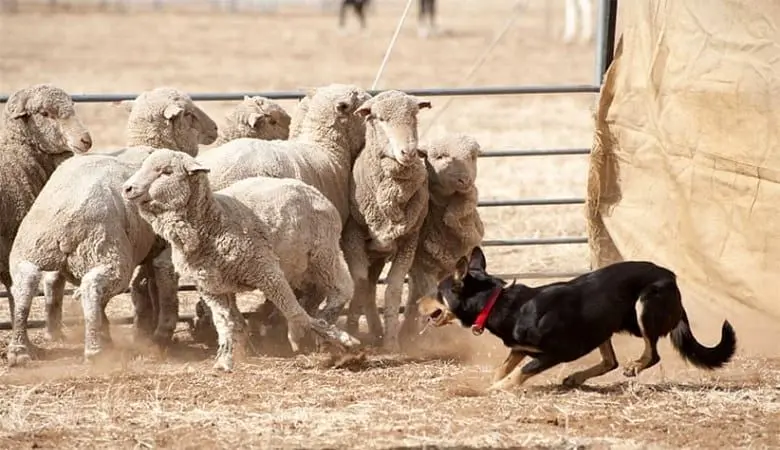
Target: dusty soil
point(137, 399)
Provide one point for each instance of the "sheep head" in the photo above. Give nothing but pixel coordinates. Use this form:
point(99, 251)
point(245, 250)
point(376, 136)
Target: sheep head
point(257, 118)
point(47, 116)
point(167, 180)
point(167, 118)
point(395, 113)
point(328, 114)
point(452, 163)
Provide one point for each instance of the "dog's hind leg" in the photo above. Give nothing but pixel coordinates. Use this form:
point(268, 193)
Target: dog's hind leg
point(520, 375)
point(512, 360)
point(608, 363)
point(656, 313)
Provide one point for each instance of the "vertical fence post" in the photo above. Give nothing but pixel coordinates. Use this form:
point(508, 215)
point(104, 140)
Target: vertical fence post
point(605, 38)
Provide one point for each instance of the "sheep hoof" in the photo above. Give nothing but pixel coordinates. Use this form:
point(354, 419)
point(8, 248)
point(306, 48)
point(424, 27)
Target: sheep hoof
point(18, 356)
point(391, 346)
point(54, 336)
point(92, 355)
point(224, 360)
point(224, 364)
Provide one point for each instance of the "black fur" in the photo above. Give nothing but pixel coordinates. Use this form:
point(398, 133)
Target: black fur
point(567, 320)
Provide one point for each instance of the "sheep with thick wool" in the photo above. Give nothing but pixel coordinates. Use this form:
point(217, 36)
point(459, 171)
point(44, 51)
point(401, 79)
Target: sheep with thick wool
point(83, 232)
point(222, 242)
point(163, 117)
point(256, 118)
point(388, 203)
point(40, 129)
point(321, 154)
point(453, 226)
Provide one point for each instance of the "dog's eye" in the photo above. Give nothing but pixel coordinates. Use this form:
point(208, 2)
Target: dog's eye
point(456, 287)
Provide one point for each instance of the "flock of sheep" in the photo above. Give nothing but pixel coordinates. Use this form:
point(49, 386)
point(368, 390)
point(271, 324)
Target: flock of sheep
point(308, 209)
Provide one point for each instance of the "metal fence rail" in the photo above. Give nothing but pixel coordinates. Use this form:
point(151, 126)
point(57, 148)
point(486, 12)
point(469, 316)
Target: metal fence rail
point(292, 95)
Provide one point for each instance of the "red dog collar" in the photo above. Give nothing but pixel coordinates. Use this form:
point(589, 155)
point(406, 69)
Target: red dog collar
point(479, 325)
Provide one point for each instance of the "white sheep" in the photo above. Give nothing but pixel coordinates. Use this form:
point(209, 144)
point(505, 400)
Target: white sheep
point(256, 118)
point(304, 229)
point(65, 207)
point(40, 129)
point(388, 202)
point(453, 226)
point(80, 227)
point(328, 139)
point(221, 242)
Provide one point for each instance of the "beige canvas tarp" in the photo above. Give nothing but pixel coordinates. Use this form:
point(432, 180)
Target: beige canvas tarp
point(685, 168)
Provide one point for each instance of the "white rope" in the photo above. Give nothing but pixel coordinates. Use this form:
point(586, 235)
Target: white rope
point(478, 63)
point(392, 44)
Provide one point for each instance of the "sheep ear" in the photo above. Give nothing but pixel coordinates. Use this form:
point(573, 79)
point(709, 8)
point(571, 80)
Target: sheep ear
point(16, 108)
point(127, 105)
point(310, 92)
point(193, 167)
point(172, 111)
point(253, 119)
point(246, 97)
point(461, 268)
point(477, 261)
point(364, 111)
point(421, 104)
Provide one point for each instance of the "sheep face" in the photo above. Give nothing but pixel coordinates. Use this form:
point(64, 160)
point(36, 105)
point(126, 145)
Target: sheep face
point(48, 116)
point(171, 117)
point(333, 107)
point(395, 113)
point(166, 181)
point(452, 163)
point(259, 118)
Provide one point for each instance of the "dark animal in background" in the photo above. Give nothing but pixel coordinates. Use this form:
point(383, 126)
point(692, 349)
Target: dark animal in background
point(359, 6)
point(564, 321)
point(426, 13)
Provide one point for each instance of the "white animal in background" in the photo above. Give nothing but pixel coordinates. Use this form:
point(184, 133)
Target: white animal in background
point(578, 12)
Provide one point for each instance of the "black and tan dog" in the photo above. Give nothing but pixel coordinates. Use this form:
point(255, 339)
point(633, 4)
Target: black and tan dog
point(561, 322)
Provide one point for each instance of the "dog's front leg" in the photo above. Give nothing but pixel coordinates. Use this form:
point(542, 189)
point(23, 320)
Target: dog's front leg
point(608, 363)
point(521, 374)
point(512, 360)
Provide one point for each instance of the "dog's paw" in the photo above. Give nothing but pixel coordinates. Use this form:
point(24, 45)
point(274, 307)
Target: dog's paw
point(631, 370)
point(498, 387)
point(572, 381)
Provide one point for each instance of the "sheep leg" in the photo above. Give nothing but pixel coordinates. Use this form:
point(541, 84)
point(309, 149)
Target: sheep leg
point(270, 279)
point(5, 278)
point(165, 284)
point(53, 292)
point(225, 322)
point(203, 329)
point(369, 299)
point(27, 276)
point(98, 286)
point(334, 282)
point(402, 262)
point(354, 247)
point(140, 287)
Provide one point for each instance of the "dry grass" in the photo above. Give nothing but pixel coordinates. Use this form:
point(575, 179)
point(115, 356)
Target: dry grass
point(136, 400)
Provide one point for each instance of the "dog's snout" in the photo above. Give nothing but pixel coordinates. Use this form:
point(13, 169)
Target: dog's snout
point(86, 141)
point(128, 188)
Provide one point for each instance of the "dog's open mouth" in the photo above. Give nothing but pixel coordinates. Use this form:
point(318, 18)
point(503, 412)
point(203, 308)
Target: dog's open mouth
point(434, 311)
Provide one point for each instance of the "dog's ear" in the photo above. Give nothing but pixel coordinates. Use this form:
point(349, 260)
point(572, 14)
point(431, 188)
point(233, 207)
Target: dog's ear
point(477, 260)
point(461, 269)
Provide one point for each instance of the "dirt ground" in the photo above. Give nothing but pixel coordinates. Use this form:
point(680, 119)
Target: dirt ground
point(434, 396)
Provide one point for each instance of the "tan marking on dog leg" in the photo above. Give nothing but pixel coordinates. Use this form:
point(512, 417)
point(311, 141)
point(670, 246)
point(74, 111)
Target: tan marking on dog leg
point(648, 359)
point(512, 360)
point(608, 363)
point(514, 379)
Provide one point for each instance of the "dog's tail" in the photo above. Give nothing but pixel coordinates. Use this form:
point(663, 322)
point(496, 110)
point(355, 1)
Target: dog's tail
point(698, 355)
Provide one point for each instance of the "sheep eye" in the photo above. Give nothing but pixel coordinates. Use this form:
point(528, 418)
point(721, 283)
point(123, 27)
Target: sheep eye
point(166, 171)
point(45, 113)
